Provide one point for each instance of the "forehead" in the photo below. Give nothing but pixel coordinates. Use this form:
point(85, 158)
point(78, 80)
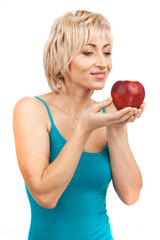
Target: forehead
point(103, 40)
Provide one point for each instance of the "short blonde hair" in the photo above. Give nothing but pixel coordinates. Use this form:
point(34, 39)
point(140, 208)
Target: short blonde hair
point(69, 34)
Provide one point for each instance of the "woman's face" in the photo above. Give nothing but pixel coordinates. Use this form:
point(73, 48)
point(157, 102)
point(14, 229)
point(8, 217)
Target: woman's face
point(90, 68)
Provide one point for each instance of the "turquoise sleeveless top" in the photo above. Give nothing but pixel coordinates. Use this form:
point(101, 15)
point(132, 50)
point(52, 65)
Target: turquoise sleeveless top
point(80, 213)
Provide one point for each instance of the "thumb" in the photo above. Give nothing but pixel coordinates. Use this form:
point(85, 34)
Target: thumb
point(104, 103)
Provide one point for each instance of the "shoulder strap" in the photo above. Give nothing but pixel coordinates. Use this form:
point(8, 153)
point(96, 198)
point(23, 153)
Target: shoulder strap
point(49, 113)
point(104, 110)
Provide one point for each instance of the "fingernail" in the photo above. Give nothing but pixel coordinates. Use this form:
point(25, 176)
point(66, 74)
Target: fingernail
point(135, 111)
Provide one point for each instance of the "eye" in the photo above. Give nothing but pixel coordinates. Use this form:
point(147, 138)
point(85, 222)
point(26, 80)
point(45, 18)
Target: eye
point(87, 53)
point(90, 53)
point(107, 53)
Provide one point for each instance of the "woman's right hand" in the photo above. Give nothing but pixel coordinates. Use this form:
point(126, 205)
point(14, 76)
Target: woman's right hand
point(93, 117)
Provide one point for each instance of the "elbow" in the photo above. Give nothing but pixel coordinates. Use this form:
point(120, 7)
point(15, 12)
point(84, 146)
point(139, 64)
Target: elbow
point(132, 196)
point(131, 199)
point(42, 196)
point(46, 201)
point(47, 205)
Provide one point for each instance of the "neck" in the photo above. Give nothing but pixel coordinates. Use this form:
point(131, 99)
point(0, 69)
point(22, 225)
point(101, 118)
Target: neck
point(75, 102)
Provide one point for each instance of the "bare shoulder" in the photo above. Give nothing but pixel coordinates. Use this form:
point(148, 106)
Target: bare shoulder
point(28, 109)
point(26, 104)
point(31, 141)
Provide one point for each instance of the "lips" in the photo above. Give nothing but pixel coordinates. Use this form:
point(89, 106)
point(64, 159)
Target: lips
point(99, 75)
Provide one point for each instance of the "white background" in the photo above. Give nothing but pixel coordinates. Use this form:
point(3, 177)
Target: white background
point(24, 28)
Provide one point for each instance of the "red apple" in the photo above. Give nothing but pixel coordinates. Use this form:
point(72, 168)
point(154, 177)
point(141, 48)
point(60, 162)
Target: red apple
point(127, 94)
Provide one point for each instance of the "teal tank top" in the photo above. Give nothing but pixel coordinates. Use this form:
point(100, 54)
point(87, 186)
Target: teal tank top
point(80, 213)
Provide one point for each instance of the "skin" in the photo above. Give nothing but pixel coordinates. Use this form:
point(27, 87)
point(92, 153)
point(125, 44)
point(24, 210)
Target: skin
point(48, 181)
point(127, 178)
point(81, 83)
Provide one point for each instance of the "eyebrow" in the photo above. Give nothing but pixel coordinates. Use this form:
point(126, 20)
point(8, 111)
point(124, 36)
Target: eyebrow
point(94, 45)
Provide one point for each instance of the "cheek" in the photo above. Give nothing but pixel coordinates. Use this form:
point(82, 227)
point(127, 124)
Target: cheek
point(109, 65)
point(80, 67)
point(77, 69)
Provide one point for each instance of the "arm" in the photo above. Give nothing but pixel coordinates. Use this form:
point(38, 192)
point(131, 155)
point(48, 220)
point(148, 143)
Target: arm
point(45, 181)
point(127, 178)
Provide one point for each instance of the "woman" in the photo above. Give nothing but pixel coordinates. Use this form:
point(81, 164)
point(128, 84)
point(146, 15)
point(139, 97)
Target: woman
point(69, 147)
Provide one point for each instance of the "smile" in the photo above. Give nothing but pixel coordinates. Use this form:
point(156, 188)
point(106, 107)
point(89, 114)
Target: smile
point(98, 76)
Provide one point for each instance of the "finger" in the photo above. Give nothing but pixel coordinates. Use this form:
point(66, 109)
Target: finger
point(131, 119)
point(119, 114)
point(138, 114)
point(140, 110)
point(129, 116)
point(116, 117)
point(127, 113)
point(99, 106)
point(143, 105)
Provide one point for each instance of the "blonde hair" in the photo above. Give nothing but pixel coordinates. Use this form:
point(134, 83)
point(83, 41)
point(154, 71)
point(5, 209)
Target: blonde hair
point(69, 33)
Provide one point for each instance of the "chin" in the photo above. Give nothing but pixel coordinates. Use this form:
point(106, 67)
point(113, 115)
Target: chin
point(100, 87)
point(97, 88)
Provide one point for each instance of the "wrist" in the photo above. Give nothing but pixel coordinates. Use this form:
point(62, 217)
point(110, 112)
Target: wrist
point(117, 131)
point(82, 132)
point(117, 136)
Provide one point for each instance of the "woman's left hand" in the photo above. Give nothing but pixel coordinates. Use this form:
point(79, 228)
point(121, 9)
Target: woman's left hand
point(138, 114)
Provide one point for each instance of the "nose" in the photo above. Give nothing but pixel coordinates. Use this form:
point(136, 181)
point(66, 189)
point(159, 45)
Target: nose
point(101, 60)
